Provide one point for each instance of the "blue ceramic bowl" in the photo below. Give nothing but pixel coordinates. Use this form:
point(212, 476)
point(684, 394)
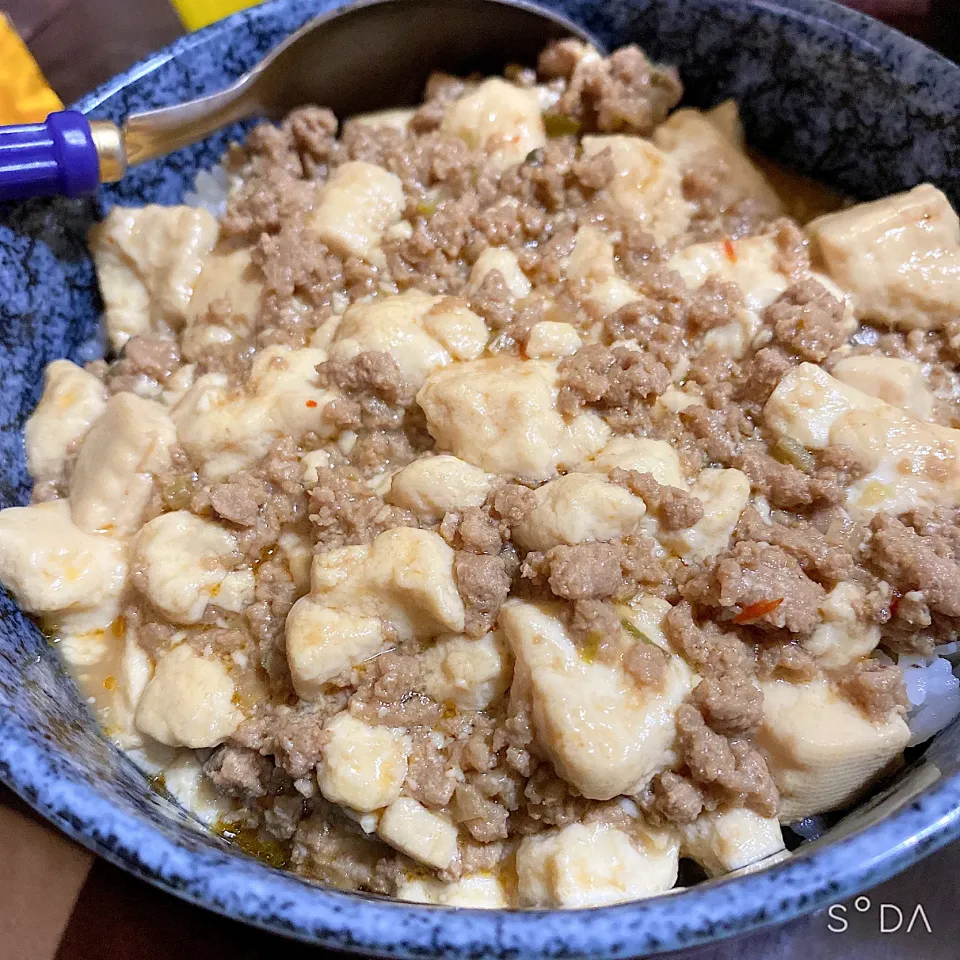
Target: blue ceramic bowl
point(831, 92)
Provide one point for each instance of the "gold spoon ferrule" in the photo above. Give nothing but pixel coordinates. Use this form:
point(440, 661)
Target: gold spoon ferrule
point(108, 139)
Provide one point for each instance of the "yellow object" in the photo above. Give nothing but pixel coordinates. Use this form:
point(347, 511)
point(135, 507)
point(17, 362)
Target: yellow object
point(198, 13)
point(24, 94)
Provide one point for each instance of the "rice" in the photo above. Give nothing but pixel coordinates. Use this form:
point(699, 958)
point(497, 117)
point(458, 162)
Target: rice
point(933, 691)
point(210, 190)
point(810, 827)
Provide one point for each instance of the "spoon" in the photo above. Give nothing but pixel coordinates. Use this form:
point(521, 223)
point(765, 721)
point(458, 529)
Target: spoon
point(367, 56)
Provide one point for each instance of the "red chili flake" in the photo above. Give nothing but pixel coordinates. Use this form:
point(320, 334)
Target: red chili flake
point(311, 403)
point(895, 603)
point(729, 250)
point(754, 611)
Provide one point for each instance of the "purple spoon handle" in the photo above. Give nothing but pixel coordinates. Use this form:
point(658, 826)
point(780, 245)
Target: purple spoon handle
point(40, 159)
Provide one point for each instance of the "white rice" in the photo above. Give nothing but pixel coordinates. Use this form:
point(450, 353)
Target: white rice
point(933, 691)
point(210, 190)
point(810, 827)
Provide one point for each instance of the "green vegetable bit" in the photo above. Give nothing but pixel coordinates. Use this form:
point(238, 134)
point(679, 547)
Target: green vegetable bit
point(791, 452)
point(635, 632)
point(560, 125)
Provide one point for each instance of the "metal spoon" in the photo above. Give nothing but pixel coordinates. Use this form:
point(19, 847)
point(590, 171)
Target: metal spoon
point(368, 56)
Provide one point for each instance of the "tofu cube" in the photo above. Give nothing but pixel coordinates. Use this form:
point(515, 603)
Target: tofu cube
point(500, 415)
point(592, 865)
point(354, 208)
point(469, 673)
point(898, 257)
point(404, 577)
point(910, 462)
point(322, 642)
point(52, 566)
point(821, 750)
point(647, 183)
point(419, 833)
point(434, 486)
point(148, 260)
point(579, 508)
point(183, 565)
point(726, 840)
point(604, 734)
point(188, 701)
point(113, 476)
point(363, 766)
point(72, 401)
point(502, 120)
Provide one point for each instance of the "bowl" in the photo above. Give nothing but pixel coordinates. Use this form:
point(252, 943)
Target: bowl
point(831, 92)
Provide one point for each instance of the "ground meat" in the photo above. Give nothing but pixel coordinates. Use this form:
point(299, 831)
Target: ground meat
point(241, 773)
point(715, 304)
point(731, 704)
point(635, 250)
point(793, 255)
point(239, 500)
point(512, 502)
point(376, 392)
point(787, 487)
point(276, 483)
point(485, 820)
point(875, 687)
point(312, 131)
point(559, 59)
point(676, 798)
point(429, 779)
point(730, 766)
point(707, 648)
point(788, 660)
point(299, 269)
point(675, 508)
point(647, 664)
point(298, 738)
point(293, 736)
point(641, 565)
point(620, 382)
point(808, 320)
point(912, 562)
point(592, 621)
point(622, 93)
point(493, 301)
point(484, 585)
point(762, 584)
point(765, 370)
point(937, 522)
point(719, 439)
point(587, 571)
point(548, 801)
point(663, 304)
point(274, 594)
point(728, 698)
point(282, 816)
point(346, 511)
point(391, 694)
point(265, 203)
point(479, 532)
point(332, 854)
point(821, 560)
point(145, 359)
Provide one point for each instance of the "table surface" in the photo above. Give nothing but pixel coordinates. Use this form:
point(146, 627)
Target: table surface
point(63, 904)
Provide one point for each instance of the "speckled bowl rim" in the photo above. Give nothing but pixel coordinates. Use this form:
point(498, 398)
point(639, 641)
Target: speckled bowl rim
point(244, 889)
